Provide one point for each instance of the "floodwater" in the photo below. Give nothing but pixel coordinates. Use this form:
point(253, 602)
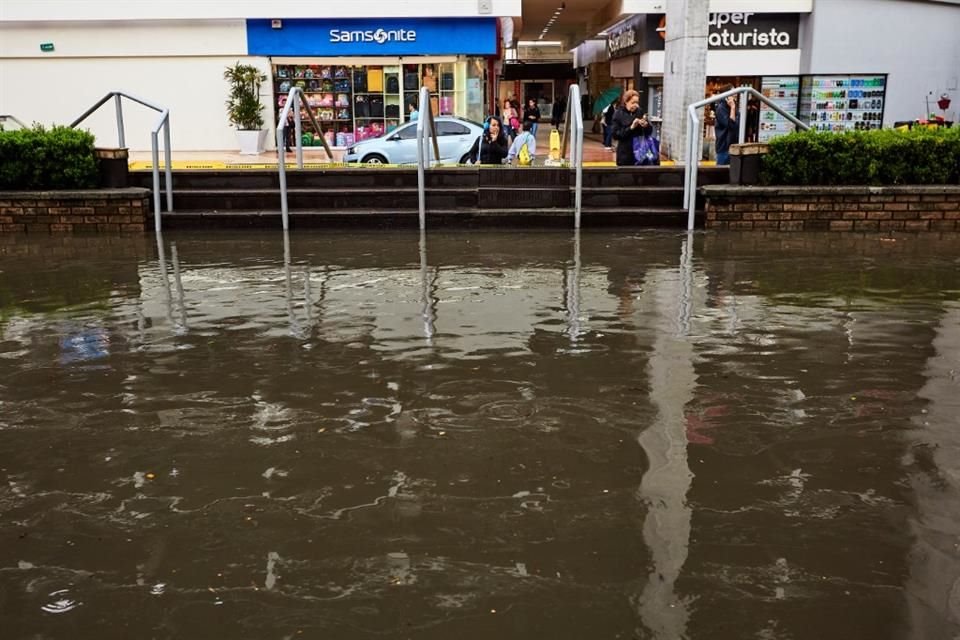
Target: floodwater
point(490, 435)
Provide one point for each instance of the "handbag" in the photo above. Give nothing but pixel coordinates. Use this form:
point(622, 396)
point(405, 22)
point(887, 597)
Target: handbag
point(646, 151)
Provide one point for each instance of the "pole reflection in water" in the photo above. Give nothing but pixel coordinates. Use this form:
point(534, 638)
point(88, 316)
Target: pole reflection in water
point(298, 329)
point(427, 296)
point(167, 293)
point(179, 282)
point(572, 289)
point(664, 487)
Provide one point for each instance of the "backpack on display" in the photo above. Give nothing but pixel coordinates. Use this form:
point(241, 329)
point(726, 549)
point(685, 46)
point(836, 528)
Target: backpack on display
point(393, 84)
point(360, 80)
point(411, 81)
point(446, 82)
point(361, 108)
point(376, 107)
point(393, 111)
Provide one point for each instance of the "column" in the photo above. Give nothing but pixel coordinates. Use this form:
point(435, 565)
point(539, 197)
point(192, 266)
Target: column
point(685, 70)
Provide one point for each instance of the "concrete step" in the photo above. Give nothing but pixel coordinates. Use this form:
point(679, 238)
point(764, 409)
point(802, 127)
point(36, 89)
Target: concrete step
point(436, 218)
point(378, 198)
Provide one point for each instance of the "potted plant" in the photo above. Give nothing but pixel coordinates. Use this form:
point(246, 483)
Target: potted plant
point(244, 109)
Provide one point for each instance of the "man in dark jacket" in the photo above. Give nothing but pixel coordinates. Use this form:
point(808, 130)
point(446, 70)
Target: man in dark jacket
point(629, 122)
point(491, 147)
point(726, 129)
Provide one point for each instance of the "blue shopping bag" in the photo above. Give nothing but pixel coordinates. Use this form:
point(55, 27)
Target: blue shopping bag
point(646, 151)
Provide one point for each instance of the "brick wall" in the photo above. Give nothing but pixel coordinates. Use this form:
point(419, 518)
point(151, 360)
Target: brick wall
point(91, 211)
point(910, 208)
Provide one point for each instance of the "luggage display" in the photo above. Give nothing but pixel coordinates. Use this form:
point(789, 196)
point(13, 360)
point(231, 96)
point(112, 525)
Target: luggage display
point(393, 84)
point(375, 80)
point(376, 106)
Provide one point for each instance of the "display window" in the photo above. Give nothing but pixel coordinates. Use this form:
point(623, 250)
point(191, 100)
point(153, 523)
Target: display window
point(354, 102)
point(843, 102)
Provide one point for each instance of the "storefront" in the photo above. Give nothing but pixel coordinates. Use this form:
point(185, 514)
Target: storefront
point(362, 76)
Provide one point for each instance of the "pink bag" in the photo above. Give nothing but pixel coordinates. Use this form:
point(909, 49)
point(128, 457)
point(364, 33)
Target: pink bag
point(446, 105)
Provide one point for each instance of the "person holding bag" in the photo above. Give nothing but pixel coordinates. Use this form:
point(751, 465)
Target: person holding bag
point(491, 147)
point(629, 122)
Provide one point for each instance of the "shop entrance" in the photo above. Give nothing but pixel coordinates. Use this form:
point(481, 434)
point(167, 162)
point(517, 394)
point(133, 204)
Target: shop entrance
point(542, 92)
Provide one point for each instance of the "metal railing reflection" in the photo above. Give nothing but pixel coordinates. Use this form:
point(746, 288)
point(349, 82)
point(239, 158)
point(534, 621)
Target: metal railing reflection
point(180, 327)
point(428, 282)
point(572, 292)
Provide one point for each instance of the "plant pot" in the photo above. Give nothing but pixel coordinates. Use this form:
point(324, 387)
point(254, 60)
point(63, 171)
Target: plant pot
point(251, 142)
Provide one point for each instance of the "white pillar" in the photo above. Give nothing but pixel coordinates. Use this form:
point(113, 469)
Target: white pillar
point(685, 70)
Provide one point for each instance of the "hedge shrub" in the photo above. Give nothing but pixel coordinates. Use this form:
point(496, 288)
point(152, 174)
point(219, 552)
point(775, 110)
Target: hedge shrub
point(879, 157)
point(40, 159)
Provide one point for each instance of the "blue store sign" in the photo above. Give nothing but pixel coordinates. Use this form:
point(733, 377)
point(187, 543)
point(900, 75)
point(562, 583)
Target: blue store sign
point(373, 37)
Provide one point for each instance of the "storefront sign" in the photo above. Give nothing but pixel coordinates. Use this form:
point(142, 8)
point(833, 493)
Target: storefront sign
point(626, 40)
point(738, 30)
point(380, 36)
point(373, 37)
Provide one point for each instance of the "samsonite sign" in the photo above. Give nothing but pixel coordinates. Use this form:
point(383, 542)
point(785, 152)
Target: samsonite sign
point(738, 30)
point(373, 37)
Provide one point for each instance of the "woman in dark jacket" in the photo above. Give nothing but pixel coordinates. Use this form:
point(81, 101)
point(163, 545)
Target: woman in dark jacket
point(629, 122)
point(491, 147)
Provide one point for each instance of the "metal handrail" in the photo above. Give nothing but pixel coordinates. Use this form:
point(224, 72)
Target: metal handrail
point(297, 98)
point(162, 123)
point(694, 132)
point(423, 151)
point(573, 130)
point(6, 116)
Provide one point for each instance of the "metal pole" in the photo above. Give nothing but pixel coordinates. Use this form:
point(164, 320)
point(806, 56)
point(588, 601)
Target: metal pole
point(743, 116)
point(163, 274)
point(121, 137)
point(169, 155)
point(578, 194)
point(426, 117)
point(282, 167)
point(694, 137)
point(156, 181)
point(298, 127)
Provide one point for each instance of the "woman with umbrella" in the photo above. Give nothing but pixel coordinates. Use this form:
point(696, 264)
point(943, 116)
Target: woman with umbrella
point(605, 107)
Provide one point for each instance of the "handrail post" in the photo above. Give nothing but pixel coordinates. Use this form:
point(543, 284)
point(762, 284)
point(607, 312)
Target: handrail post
point(298, 128)
point(155, 151)
point(743, 116)
point(424, 122)
point(282, 168)
point(121, 134)
point(169, 157)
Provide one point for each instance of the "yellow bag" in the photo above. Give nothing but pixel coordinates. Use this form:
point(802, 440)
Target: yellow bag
point(523, 157)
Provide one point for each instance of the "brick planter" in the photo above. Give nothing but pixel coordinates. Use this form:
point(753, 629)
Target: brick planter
point(906, 208)
point(89, 211)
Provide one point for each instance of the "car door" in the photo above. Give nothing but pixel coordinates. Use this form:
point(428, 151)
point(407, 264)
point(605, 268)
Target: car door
point(454, 140)
point(402, 144)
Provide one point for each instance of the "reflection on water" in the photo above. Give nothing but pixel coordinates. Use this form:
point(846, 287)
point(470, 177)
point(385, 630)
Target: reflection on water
point(514, 435)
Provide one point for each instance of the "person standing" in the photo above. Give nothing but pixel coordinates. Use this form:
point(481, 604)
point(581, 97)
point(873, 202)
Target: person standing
point(629, 122)
point(491, 146)
point(727, 129)
point(559, 108)
point(607, 120)
point(531, 113)
point(511, 119)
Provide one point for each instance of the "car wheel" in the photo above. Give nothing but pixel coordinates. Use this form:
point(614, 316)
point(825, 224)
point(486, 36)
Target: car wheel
point(465, 159)
point(374, 158)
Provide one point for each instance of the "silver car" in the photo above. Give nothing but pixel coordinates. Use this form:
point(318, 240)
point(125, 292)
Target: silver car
point(455, 136)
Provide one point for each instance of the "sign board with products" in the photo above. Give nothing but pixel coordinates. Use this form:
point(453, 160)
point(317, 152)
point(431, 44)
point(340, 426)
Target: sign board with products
point(843, 102)
point(784, 91)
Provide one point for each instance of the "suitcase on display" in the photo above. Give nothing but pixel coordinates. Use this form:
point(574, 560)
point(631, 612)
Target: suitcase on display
point(446, 82)
point(393, 111)
point(375, 80)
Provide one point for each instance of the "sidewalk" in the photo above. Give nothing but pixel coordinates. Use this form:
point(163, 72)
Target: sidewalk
point(594, 155)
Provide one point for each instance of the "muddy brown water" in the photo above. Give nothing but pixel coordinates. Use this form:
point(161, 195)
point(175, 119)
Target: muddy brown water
point(505, 435)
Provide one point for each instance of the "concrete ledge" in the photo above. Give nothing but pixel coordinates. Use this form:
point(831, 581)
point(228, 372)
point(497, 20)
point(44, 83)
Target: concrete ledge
point(87, 211)
point(856, 208)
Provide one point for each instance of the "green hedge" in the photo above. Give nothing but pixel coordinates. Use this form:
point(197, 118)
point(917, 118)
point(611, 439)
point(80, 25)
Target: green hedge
point(879, 157)
point(40, 159)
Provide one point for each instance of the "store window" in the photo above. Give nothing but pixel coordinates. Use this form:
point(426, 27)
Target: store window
point(357, 102)
point(843, 102)
point(448, 128)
